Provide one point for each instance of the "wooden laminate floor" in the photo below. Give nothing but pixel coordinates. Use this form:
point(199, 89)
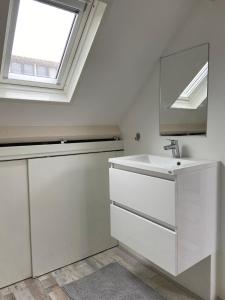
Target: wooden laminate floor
point(48, 287)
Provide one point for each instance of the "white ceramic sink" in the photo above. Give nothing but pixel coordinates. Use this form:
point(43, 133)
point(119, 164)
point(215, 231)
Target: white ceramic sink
point(160, 164)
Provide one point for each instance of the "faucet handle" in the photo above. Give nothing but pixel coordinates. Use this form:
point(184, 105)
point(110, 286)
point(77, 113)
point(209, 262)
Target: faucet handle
point(173, 141)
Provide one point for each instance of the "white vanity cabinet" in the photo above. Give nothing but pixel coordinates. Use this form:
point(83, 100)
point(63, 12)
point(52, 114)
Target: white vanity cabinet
point(15, 257)
point(70, 211)
point(169, 217)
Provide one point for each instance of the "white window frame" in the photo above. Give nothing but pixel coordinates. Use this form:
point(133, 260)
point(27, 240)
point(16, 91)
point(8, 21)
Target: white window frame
point(196, 81)
point(81, 39)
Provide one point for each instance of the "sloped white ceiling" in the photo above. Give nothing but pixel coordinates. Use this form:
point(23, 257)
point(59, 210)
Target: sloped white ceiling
point(131, 39)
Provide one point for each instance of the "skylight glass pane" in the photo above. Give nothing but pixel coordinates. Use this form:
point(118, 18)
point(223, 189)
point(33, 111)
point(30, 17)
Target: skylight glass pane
point(16, 68)
point(41, 37)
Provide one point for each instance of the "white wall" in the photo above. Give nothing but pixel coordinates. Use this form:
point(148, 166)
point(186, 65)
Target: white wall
point(206, 24)
point(132, 32)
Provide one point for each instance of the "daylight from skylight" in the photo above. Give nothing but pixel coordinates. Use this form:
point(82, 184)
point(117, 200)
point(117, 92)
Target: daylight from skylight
point(202, 74)
point(41, 35)
point(195, 93)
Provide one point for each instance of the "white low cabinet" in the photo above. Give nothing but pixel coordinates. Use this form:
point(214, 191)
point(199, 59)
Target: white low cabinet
point(69, 208)
point(15, 257)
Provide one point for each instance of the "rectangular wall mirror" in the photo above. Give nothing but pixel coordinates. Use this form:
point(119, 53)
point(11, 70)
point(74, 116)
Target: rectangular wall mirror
point(184, 92)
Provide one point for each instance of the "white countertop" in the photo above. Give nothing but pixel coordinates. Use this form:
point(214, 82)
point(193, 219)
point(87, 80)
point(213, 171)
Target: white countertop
point(160, 164)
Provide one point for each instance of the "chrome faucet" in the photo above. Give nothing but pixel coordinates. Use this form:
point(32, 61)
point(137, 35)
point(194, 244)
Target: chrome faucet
point(174, 146)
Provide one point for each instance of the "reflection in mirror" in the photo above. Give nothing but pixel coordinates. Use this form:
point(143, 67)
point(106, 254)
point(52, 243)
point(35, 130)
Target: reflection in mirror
point(184, 92)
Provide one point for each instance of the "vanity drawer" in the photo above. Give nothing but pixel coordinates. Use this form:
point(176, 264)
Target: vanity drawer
point(148, 195)
point(154, 242)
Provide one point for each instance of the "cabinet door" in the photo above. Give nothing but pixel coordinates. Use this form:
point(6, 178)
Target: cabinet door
point(70, 214)
point(15, 258)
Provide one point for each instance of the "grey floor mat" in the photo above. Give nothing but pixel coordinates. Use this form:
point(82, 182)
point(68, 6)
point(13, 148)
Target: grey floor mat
point(112, 282)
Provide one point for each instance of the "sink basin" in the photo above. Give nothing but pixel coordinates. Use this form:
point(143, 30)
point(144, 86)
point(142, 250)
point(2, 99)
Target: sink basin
point(160, 164)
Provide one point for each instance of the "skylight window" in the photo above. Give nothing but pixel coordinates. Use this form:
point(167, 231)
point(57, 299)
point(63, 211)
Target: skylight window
point(41, 36)
point(46, 45)
point(196, 91)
